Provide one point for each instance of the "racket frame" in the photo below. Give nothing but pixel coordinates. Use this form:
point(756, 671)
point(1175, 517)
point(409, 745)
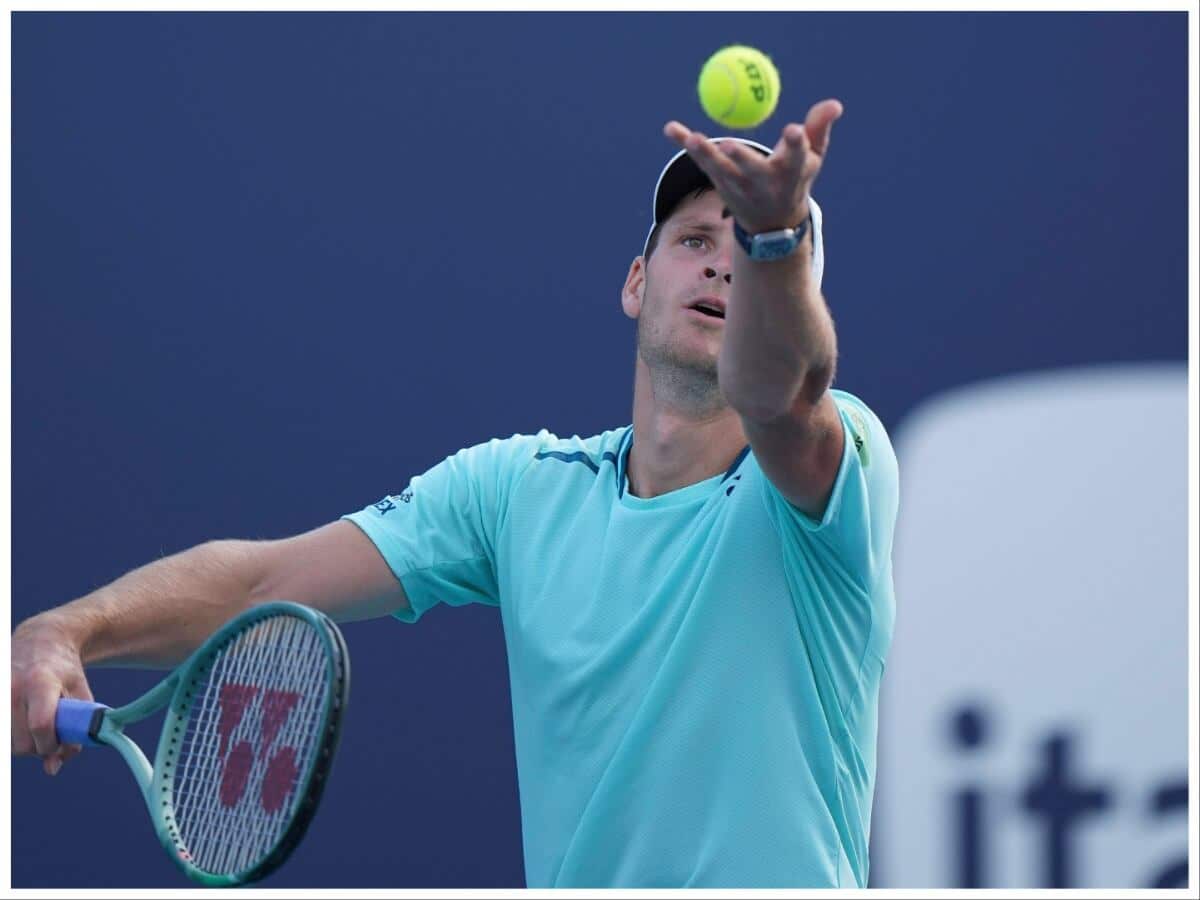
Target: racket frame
point(177, 693)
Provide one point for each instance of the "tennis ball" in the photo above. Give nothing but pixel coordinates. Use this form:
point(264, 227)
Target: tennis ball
point(739, 86)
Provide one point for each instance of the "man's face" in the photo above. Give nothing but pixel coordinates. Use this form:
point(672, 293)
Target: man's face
point(691, 266)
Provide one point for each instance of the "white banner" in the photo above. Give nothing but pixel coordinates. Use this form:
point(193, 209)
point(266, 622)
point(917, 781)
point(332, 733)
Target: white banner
point(1034, 720)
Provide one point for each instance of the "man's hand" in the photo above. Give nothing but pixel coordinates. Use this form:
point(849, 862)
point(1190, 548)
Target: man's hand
point(765, 193)
point(46, 666)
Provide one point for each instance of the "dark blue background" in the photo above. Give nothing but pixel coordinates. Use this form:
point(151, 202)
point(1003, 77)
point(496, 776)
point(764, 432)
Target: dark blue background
point(268, 266)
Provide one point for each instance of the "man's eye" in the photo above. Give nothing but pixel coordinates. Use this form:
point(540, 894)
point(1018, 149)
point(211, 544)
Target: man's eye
point(693, 237)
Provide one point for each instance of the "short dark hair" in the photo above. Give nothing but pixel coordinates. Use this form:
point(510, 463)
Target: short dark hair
point(653, 242)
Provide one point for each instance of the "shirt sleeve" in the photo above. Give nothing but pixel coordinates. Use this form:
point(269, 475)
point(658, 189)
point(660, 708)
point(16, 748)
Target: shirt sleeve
point(839, 570)
point(439, 535)
point(857, 528)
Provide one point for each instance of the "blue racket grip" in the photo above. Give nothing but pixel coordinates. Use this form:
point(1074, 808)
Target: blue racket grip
point(78, 721)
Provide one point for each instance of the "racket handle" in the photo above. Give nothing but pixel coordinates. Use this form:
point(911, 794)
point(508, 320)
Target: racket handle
point(78, 721)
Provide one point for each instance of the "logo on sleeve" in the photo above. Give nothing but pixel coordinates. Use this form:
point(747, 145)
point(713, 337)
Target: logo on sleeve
point(387, 504)
point(859, 432)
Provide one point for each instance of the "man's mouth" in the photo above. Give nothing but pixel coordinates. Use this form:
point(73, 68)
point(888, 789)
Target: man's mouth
point(712, 308)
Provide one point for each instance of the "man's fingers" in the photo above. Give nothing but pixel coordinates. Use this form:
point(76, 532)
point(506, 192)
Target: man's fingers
point(719, 167)
point(819, 123)
point(78, 689)
point(789, 154)
point(66, 752)
point(22, 740)
point(676, 131)
point(45, 667)
point(789, 138)
point(40, 710)
point(745, 158)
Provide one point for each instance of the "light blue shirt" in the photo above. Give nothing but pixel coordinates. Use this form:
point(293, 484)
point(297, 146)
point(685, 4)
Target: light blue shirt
point(694, 676)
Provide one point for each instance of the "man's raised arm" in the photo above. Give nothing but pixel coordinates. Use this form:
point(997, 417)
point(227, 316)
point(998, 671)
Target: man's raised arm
point(779, 350)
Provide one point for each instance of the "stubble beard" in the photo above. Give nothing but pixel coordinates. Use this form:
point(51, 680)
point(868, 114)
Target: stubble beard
point(683, 379)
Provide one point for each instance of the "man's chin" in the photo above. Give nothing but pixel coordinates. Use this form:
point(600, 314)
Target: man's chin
point(695, 350)
point(694, 363)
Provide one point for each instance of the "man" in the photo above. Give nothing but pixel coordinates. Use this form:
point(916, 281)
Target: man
point(696, 608)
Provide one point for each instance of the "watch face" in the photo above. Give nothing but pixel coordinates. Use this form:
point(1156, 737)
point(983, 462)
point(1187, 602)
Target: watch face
point(773, 248)
point(770, 244)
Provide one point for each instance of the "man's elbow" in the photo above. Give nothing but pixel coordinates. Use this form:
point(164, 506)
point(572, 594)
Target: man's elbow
point(770, 399)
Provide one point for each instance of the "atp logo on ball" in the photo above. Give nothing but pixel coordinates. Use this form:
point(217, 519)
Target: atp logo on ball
point(739, 87)
point(758, 90)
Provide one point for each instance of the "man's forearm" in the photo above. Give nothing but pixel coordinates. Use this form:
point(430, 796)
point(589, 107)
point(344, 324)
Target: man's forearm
point(779, 341)
point(156, 615)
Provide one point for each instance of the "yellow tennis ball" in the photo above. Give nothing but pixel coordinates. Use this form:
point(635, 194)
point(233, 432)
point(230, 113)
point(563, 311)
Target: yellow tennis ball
point(739, 86)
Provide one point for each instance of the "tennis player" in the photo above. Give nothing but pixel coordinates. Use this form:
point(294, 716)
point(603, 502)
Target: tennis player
point(697, 607)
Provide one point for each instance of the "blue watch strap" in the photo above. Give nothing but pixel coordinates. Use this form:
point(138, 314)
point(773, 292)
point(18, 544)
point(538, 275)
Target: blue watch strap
point(746, 240)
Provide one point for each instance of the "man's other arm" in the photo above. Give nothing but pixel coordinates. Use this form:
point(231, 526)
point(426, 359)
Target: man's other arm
point(158, 614)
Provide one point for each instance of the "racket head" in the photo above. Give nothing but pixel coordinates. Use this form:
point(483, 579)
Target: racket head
point(248, 742)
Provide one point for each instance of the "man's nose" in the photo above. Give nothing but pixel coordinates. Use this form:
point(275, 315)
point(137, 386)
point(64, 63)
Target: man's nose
point(723, 270)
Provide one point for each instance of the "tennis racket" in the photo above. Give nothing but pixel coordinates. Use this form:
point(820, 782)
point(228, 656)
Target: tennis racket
point(252, 722)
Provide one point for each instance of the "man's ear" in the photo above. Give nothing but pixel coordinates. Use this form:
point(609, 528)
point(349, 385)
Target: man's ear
point(635, 287)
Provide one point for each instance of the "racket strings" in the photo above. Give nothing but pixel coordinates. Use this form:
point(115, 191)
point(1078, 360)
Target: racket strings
point(259, 826)
point(250, 740)
point(231, 824)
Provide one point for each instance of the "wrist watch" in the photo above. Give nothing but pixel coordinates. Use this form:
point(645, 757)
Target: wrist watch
point(772, 244)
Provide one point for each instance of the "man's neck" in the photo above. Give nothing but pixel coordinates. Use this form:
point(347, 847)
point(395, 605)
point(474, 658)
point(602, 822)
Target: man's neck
point(678, 441)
